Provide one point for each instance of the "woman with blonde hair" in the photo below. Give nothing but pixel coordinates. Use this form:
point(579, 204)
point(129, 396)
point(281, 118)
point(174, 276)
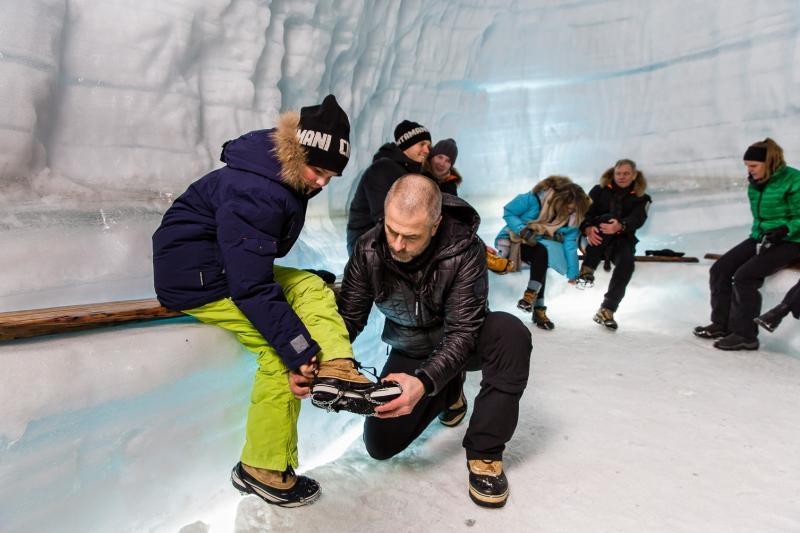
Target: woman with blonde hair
point(773, 243)
point(619, 208)
point(544, 223)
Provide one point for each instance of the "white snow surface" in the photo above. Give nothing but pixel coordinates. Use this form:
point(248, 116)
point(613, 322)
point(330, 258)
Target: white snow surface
point(108, 110)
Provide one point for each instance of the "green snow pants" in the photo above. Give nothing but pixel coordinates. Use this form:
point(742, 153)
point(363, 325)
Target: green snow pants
point(271, 440)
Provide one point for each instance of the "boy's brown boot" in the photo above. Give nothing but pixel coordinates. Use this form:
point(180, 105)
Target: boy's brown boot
point(339, 386)
point(285, 489)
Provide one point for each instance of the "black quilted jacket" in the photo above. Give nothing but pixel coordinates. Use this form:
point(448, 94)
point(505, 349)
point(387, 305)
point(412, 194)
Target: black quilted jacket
point(437, 318)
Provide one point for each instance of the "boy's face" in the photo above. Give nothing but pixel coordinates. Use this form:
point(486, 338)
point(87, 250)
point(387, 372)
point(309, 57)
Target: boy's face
point(316, 177)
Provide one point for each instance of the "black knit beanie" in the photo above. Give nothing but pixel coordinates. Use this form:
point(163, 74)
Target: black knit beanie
point(408, 133)
point(324, 132)
point(755, 153)
point(445, 147)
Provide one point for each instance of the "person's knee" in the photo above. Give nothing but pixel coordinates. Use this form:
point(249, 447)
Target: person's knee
point(746, 277)
point(380, 453)
point(507, 364)
point(378, 444)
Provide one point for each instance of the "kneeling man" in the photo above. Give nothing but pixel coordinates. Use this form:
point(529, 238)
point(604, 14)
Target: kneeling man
point(425, 269)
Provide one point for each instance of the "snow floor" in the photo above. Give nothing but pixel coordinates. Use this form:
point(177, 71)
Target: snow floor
point(642, 429)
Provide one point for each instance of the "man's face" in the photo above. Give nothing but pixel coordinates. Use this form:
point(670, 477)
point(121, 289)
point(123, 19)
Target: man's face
point(624, 176)
point(316, 177)
point(757, 169)
point(441, 165)
point(408, 236)
point(418, 152)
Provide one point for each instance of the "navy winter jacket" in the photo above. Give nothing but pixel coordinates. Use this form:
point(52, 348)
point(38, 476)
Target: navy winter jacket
point(221, 237)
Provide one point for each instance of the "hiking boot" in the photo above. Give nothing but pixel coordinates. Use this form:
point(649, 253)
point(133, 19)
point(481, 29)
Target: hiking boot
point(453, 415)
point(735, 342)
point(526, 303)
point(338, 386)
point(586, 278)
point(488, 486)
point(606, 317)
point(772, 318)
point(711, 331)
point(540, 318)
point(285, 489)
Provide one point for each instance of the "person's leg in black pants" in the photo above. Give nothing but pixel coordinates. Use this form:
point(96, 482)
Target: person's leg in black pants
point(503, 354)
point(536, 257)
point(792, 300)
point(594, 254)
point(721, 280)
point(385, 438)
point(748, 279)
point(622, 255)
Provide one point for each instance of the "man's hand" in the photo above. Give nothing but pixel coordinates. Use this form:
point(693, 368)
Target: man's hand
point(611, 227)
point(300, 379)
point(593, 235)
point(413, 391)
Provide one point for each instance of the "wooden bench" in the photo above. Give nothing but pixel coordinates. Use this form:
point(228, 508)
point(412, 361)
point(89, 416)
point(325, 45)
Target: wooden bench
point(659, 259)
point(52, 320)
point(714, 257)
point(35, 322)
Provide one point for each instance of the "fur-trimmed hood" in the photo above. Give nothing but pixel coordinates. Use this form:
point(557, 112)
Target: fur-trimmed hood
point(275, 154)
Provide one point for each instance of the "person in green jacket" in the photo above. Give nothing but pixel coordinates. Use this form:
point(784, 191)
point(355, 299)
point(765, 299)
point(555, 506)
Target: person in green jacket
point(773, 244)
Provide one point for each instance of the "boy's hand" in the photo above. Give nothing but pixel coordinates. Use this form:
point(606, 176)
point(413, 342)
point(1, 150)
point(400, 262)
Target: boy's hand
point(300, 379)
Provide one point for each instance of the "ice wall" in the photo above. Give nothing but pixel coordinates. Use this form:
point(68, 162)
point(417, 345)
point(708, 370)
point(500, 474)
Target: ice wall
point(127, 100)
point(109, 109)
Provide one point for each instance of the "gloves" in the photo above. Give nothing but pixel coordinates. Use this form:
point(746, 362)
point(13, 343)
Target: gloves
point(528, 236)
point(666, 252)
point(327, 277)
point(775, 235)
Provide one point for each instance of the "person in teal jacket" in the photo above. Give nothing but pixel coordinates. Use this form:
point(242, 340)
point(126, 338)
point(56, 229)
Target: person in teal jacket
point(773, 244)
point(544, 224)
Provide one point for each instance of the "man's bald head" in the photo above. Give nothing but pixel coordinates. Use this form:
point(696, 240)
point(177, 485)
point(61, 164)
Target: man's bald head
point(413, 210)
point(413, 193)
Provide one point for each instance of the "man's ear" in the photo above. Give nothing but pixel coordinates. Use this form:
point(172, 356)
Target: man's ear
point(436, 226)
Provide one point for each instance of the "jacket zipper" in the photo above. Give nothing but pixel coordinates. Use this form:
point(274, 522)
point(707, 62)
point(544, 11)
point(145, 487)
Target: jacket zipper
point(758, 211)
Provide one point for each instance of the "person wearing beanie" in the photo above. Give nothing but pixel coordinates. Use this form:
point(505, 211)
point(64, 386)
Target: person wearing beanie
point(392, 160)
point(440, 165)
point(214, 258)
point(773, 244)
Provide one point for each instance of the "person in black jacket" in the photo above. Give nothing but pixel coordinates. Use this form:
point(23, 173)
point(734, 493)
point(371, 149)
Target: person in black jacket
point(425, 270)
point(404, 156)
point(619, 208)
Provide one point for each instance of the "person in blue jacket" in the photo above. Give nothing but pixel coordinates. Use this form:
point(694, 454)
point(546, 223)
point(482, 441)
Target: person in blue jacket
point(213, 258)
point(544, 223)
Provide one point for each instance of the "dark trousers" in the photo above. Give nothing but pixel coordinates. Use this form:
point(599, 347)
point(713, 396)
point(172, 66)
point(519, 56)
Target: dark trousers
point(621, 252)
point(503, 355)
point(792, 299)
point(536, 257)
point(735, 279)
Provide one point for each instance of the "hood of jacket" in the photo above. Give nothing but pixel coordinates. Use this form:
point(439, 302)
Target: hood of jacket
point(275, 154)
point(457, 231)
